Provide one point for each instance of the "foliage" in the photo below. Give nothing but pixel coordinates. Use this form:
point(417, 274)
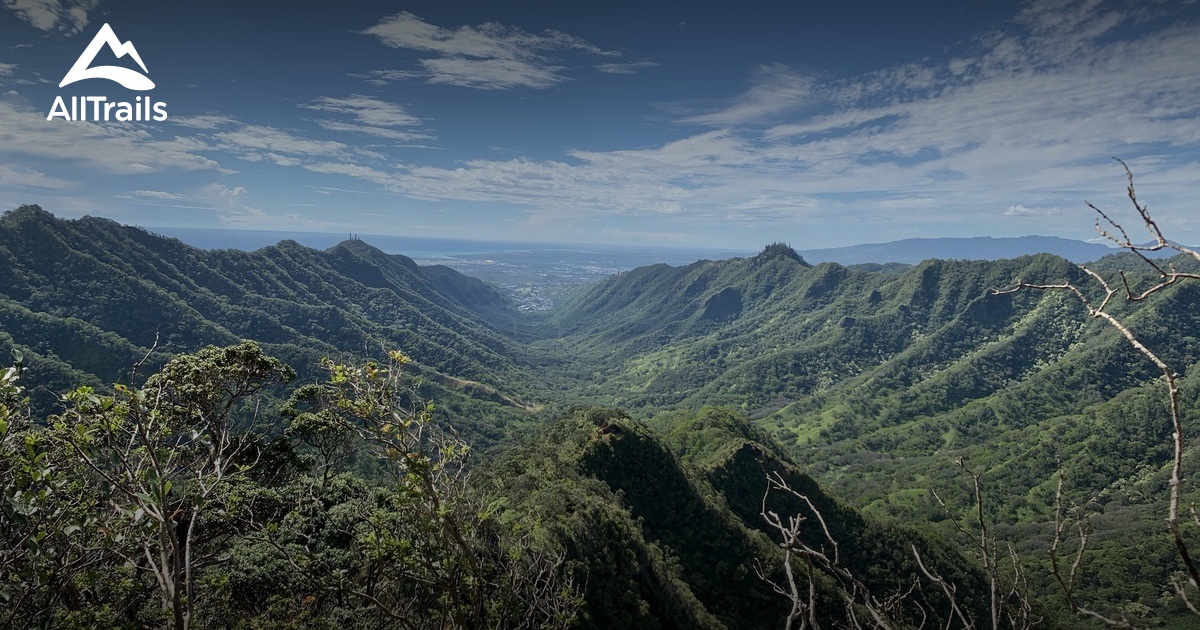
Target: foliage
point(90, 296)
point(873, 377)
point(158, 505)
point(420, 548)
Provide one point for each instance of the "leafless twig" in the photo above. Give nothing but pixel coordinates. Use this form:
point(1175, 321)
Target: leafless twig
point(1167, 276)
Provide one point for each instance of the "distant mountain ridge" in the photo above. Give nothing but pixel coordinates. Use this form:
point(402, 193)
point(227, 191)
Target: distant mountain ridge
point(83, 299)
point(914, 250)
point(875, 380)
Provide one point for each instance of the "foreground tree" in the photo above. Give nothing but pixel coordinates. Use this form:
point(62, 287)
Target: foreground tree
point(161, 458)
point(169, 504)
point(40, 518)
point(422, 549)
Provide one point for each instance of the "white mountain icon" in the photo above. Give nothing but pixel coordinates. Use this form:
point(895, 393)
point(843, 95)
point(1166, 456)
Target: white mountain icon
point(131, 79)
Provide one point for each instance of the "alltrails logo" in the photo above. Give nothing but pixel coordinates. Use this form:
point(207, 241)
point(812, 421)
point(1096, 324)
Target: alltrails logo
point(142, 109)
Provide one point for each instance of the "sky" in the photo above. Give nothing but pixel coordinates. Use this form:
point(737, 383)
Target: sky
point(820, 124)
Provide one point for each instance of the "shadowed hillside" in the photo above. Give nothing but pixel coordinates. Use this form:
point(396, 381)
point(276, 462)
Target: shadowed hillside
point(873, 380)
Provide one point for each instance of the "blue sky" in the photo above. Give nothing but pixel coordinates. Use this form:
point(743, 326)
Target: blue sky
point(646, 123)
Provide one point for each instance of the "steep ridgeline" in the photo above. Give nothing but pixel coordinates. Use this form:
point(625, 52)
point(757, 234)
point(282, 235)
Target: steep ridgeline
point(85, 299)
point(843, 360)
point(665, 521)
point(883, 379)
point(761, 332)
point(878, 377)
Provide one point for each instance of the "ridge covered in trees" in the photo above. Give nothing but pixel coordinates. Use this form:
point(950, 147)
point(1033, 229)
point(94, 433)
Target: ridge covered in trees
point(873, 380)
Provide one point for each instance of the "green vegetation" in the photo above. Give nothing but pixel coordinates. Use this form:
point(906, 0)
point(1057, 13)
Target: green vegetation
point(160, 505)
point(84, 300)
point(337, 500)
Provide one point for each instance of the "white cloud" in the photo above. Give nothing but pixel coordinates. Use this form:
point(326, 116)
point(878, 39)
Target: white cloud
point(1014, 123)
point(488, 56)
point(159, 194)
point(258, 143)
point(109, 148)
point(487, 41)
point(1021, 123)
point(358, 171)
point(367, 110)
point(70, 16)
point(1021, 211)
point(629, 67)
point(325, 190)
point(694, 175)
point(231, 201)
point(492, 74)
point(233, 210)
point(7, 69)
point(21, 177)
point(774, 89)
point(127, 149)
point(380, 132)
point(206, 122)
point(372, 117)
point(383, 77)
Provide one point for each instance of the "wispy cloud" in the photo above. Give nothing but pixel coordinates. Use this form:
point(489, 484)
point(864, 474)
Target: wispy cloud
point(205, 121)
point(69, 16)
point(1021, 211)
point(489, 56)
point(371, 116)
point(1020, 125)
point(492, 74)
point(629, 67)
point(21, 177)
point(486, 41)
point(384, 77)
point(1012, 127)
point(379, 132)
point(113, 149)
point(159, 194)
point(199, 141)
point(233, 210)
point(258, 143)
point(774, 89)
point(367, 110)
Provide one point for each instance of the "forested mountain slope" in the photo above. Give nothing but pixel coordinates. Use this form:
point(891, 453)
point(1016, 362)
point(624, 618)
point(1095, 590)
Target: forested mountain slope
point(874, 379)
point(666, 520)
point(763, 331)
point(85, 299)
point(882, 380)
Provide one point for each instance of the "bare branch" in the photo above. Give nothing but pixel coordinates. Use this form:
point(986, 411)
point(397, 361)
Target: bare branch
point(1167, 277)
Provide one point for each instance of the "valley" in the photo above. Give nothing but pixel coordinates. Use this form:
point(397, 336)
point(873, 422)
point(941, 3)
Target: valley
point(871, 380)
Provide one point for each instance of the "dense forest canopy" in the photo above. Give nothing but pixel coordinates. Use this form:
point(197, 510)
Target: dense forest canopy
point(302, 479)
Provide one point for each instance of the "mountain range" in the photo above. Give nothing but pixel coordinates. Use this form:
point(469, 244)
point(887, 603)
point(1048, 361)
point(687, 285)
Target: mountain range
point(874, 380)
